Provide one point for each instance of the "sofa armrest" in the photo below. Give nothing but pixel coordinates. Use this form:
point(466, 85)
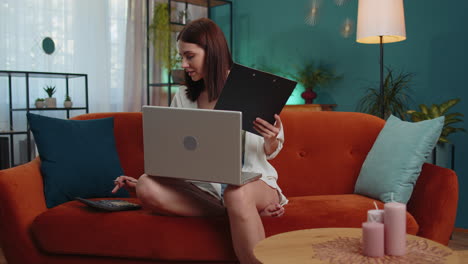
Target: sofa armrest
point(21, 200)
point(434, 202)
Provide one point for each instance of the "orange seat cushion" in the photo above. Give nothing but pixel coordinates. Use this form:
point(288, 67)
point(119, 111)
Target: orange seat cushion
point(73, 228)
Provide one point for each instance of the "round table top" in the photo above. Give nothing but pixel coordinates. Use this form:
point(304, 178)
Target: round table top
point(343, 245)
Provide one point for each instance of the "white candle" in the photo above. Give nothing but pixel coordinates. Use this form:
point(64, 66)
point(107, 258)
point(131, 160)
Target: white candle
point(395, 228)
point(375, 216)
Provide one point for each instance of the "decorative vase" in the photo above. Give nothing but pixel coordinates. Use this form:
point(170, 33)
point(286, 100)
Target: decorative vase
point(67, 104)
point(51, 102)
point(39, 104)
point(309, 96)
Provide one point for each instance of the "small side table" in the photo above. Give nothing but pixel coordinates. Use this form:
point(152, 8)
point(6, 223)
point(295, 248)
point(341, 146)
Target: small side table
point(343, 245)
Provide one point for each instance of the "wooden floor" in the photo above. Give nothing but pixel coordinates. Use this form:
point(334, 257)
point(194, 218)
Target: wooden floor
point(459, 243)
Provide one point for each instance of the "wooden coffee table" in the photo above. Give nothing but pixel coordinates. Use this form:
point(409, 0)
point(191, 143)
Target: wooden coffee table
point(343, 245)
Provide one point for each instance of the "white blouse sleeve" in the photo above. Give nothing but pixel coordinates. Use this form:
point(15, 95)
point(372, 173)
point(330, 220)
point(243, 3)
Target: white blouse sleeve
point(176, 100)
point(280, 138)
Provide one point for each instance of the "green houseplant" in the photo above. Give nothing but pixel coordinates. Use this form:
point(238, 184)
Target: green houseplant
point(436, 110)
point(164, 49)
point(50, 101)
point(67, 103)
point(50, 90)
point(39, 103)
point(312, 76)
point(442, 155)
point(396, 96)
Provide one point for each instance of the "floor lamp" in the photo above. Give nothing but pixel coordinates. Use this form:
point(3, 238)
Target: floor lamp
point(380, 21)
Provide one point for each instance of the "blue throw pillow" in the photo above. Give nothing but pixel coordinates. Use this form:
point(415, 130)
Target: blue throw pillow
point(78, 158)
point(394, 162)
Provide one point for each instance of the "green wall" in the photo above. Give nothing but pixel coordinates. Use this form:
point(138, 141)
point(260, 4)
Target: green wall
point(273, 34)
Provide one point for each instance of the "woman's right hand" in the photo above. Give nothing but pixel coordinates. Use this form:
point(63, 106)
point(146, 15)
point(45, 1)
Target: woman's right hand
point(122, 181)
point(273, 210)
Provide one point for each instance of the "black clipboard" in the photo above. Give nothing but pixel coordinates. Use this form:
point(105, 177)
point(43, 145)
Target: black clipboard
point(254, 93)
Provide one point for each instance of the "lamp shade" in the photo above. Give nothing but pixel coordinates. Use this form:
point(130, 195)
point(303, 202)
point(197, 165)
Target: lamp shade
point(377, 18)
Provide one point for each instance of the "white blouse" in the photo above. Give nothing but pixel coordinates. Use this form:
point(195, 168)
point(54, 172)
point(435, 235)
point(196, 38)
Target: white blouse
point(255, 159)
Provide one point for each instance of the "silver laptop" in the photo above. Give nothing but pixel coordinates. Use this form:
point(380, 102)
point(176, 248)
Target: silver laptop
point(194, 144)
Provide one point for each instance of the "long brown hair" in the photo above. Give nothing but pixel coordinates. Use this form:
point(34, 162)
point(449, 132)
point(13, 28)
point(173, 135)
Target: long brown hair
point(206, 34)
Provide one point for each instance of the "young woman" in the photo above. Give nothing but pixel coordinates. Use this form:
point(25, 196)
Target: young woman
point(207, 60)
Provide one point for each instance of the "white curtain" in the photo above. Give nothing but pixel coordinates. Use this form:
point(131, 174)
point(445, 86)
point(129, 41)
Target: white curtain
point(135, 57)
point(89, 38)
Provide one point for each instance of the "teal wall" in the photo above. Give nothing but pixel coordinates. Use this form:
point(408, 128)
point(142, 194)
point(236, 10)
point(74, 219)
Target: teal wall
point(272, 33)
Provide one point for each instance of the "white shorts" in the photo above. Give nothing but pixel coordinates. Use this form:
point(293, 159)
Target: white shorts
point(214, 189)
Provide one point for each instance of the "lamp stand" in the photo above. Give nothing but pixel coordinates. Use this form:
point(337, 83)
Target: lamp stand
point(382, 93)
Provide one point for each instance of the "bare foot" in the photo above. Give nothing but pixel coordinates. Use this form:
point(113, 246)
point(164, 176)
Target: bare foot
point(273, 210)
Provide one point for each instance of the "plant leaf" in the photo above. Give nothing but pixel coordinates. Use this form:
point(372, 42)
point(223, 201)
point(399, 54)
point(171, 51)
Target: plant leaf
point(424, 109)
point(395, 96)
point(440, 110)
point(434, 111)
point(312, 75)
point(453, 115)
point(443, 140)
point(449, 130)
point(444, 107)
point(452, 120)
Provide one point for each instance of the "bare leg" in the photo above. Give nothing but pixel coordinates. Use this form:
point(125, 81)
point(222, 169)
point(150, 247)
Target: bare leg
point(174, 197)
point(243, 205)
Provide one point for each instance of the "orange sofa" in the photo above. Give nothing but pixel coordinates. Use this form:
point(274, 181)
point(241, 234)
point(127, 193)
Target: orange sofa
point(318, 168)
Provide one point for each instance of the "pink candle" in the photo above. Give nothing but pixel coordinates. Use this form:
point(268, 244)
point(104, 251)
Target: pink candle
point(373, 239)
point(395, 228)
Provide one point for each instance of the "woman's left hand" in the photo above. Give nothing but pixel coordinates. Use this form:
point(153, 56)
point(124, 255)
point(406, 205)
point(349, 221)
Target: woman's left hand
point(269, 132)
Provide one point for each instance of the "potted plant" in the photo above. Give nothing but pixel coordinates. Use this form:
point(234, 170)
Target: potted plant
point(435, 111)
point(442, 154)
point(312, 76)
point(39, 103)
point(50, 101)
point(164, 49)
point(68, 102)
point(396, 96)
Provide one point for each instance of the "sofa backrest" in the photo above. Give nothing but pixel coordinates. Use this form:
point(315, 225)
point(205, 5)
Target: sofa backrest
point(324, 151)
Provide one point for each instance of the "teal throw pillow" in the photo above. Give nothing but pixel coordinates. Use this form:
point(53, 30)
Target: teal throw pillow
point(394, 162)
point(78, 158)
